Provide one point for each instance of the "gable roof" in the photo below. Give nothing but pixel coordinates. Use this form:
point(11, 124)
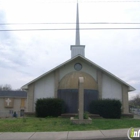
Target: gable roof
point(25, 87)
point(16, 94)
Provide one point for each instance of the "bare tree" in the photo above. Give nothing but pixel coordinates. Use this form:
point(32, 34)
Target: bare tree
point(135, 102)
point(5, 87)
point(1, 87)
point(19, 89)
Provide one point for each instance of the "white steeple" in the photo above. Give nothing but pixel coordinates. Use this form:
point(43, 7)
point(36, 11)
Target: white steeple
point(77, 40)
point(77, 49)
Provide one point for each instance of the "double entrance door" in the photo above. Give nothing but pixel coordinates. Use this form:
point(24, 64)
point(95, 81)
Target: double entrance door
point(70, 96)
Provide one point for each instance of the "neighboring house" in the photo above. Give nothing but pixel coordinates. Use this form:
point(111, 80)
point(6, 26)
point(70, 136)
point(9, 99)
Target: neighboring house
point(62, 82)
point(12, 101)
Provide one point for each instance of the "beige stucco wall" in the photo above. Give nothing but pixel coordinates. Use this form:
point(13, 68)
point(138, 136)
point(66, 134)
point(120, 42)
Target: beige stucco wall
point(70, 81)
point(111, 88)
point(114, 90)
point(125, 105)
point(70, 68)
point(56, 82)
point(30, 98)
point(4, 111)
point(45, 87)
point(99, 83)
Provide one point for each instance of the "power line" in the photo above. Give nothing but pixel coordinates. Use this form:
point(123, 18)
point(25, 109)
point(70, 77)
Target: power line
point(113, 1)
point(70, 23)
point(90, 1)
point(70, 29)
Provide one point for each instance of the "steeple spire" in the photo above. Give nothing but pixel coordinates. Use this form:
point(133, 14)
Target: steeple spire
point(77, 49)
point(77, 40)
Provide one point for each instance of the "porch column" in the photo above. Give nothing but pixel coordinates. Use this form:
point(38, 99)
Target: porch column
point(125, 105)
point(56, 80)
point(99, 81)
point(30, 98)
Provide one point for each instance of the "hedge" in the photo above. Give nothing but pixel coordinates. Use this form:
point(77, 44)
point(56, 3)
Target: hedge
point(107, 108)
point(49, 107)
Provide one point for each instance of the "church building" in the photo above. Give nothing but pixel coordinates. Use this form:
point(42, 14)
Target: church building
point(13, 102)
point(62, 81)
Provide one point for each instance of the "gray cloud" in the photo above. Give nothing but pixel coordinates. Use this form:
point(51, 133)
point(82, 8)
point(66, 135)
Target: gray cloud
point(27, 55)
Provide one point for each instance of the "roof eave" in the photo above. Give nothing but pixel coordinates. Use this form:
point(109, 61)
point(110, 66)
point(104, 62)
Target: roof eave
point(131, 89)
point(25, 87)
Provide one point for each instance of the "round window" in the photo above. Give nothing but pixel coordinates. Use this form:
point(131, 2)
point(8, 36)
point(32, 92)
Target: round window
point(78, 66)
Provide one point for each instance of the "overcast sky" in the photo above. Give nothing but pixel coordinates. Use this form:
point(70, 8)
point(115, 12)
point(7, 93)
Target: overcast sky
point(25, 55)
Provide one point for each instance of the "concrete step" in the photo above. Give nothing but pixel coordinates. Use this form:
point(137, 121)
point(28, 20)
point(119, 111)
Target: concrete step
point(68, 115)
point(95, 116)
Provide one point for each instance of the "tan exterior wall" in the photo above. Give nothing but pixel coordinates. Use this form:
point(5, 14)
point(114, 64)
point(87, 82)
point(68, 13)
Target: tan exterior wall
point(47, 86)
point(42, 88)
point(30, 98)
point(68, 68)
point(99, 80)
point(5, 111)
point(56, 80)
point(70, 81)
point(125, 106)
point(111, 88)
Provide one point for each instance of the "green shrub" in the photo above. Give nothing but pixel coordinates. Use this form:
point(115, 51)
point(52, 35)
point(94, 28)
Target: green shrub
point(86, 115)
point(107, 108)
point(49, 107)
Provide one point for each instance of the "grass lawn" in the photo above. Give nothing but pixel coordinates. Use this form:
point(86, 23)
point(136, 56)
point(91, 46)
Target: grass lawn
point(32, 124)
